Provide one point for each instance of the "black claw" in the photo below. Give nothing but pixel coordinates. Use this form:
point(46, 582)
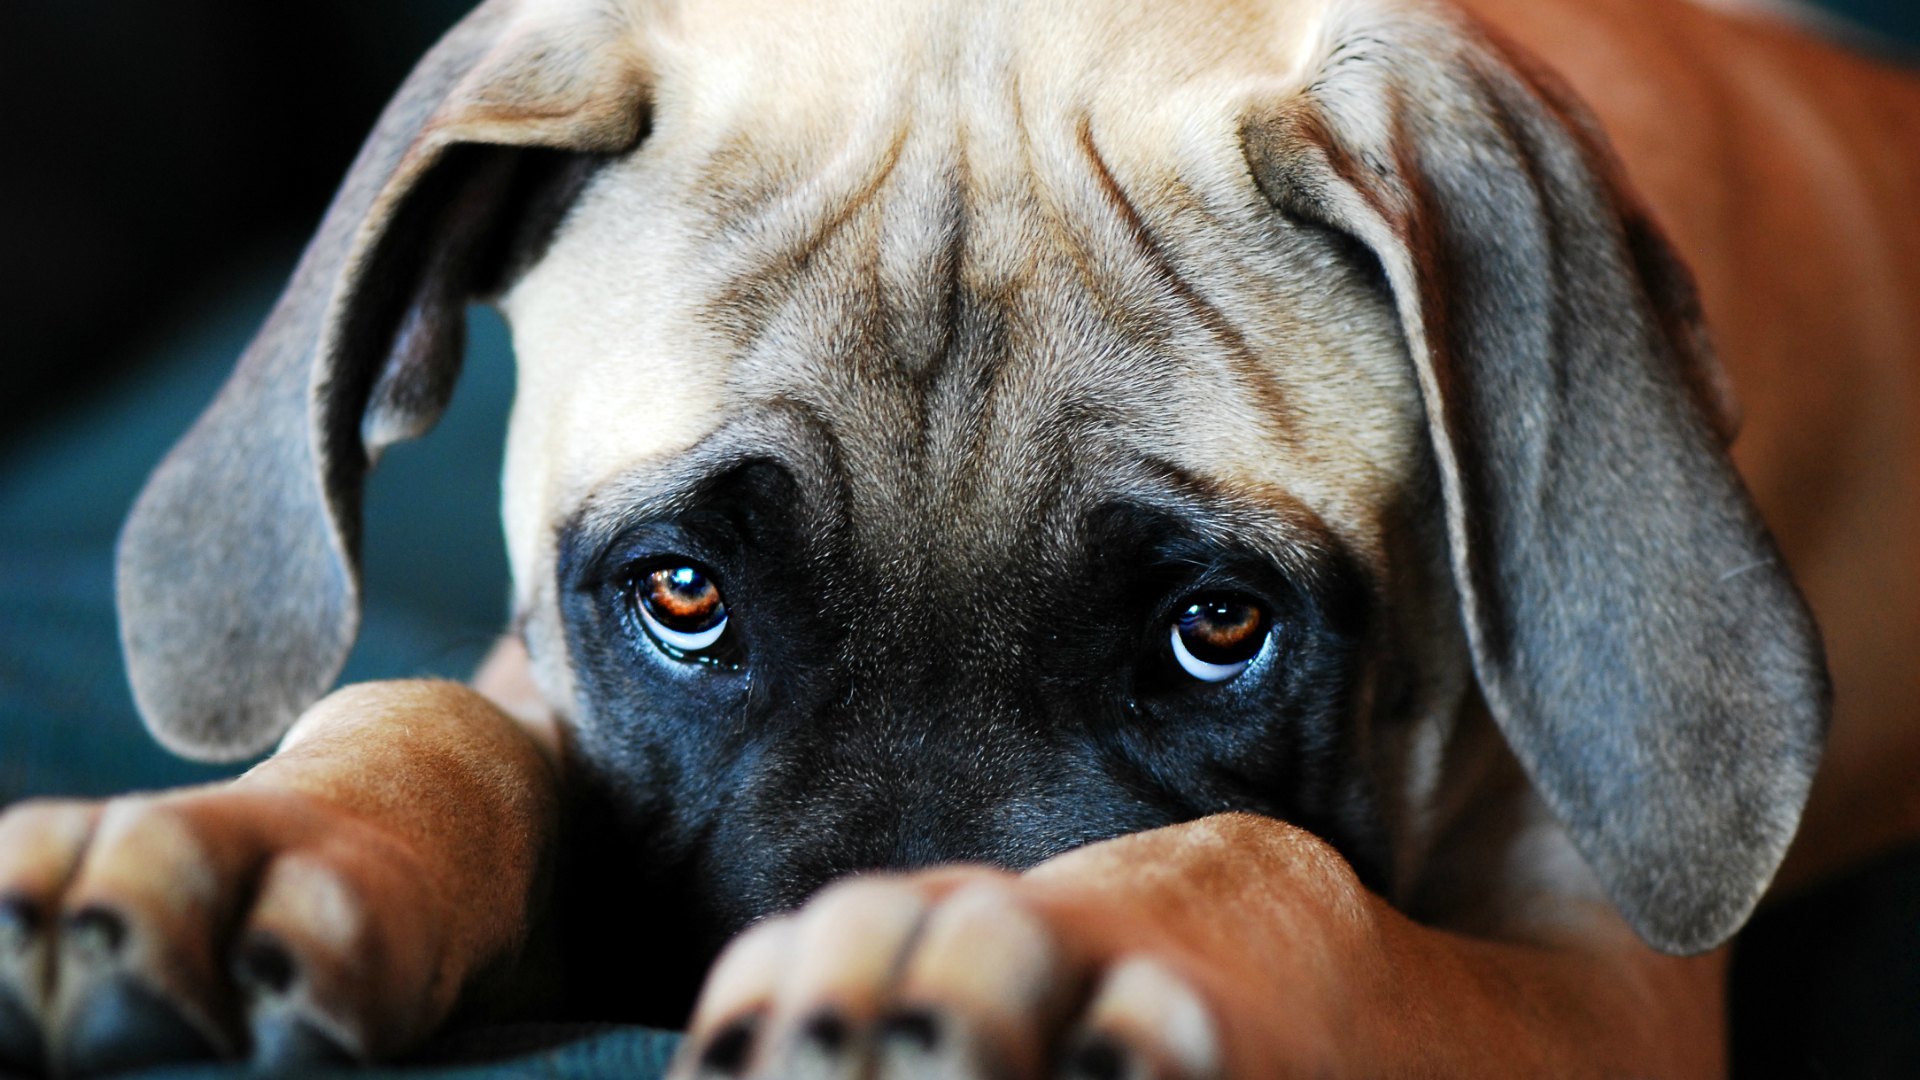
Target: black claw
point(918, 1028)
point(1097, 1058)
point(97, 931)
point(21, 1049)
point(727, 1052)
point(19, 921)
point(287, 1044)
point(827, 1031)
point(264, 966)
point(121, 1025)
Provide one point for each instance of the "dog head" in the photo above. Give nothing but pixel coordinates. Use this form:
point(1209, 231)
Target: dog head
point(959, 432)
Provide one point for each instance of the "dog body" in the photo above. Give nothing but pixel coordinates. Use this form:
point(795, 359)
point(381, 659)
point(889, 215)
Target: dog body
point(992, 358)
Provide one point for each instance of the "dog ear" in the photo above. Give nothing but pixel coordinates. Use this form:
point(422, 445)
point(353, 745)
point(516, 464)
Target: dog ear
point(238, 570)
point(1632, 626)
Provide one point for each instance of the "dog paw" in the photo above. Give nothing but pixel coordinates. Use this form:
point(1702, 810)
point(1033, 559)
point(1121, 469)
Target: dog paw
point(957, 973)
point(212, 922)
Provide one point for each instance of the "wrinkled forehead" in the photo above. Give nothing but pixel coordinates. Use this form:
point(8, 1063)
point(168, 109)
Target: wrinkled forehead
point(985, 262)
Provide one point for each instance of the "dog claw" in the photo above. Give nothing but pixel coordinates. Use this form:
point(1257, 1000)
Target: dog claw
point(916, 1030)
point(285, 1043)
point(917, 1043)
point(20, 1046)
point(285, 1040)
point(120, 1025)
point(264, 968)
point(209, 923)
point(94, 934)
point(1144, 1021)
point(107, 1020)
point(1097, 1058)
point(19, 922)
point(729, 1050)
point(824, 1048)
point(827, 1033)
point(946, 976)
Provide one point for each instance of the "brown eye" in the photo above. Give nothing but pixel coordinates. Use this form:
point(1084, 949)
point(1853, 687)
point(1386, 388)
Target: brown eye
point(1215, 638)
point(682, 608)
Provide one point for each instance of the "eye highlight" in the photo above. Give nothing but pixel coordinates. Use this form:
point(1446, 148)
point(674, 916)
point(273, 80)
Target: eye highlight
point(681, 609)
point(1214, 638)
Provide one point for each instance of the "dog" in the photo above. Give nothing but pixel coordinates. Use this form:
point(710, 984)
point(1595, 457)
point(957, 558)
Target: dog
point(1090, 539)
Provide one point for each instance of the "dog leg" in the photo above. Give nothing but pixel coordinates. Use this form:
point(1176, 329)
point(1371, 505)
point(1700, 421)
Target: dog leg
point(332, 902)
point(1232, 946)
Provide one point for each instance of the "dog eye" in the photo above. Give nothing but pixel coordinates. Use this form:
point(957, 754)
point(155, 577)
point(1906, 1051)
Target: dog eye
point(681, 608)
point(1215, 638)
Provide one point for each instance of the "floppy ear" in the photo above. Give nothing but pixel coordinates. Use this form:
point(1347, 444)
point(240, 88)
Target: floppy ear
point(238, 575)
point(1632, 626)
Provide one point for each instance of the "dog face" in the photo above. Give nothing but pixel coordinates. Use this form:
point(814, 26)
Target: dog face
point(958, 427)
point(996, 385)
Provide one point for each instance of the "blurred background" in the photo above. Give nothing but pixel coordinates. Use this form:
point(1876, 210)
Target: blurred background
point(165, 162)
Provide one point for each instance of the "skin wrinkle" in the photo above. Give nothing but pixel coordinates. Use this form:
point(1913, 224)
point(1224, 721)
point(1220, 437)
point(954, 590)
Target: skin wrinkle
point(1276, 408)
point(1097, 282)
point(771, 278)
point(1006, 374)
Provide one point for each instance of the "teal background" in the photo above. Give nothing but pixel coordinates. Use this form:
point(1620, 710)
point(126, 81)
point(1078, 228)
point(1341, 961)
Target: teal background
point(436, 577)
point(1896, 20)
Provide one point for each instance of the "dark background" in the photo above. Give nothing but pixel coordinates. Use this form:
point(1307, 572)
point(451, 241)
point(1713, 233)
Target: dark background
point(165, 160)
point(156, 148)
